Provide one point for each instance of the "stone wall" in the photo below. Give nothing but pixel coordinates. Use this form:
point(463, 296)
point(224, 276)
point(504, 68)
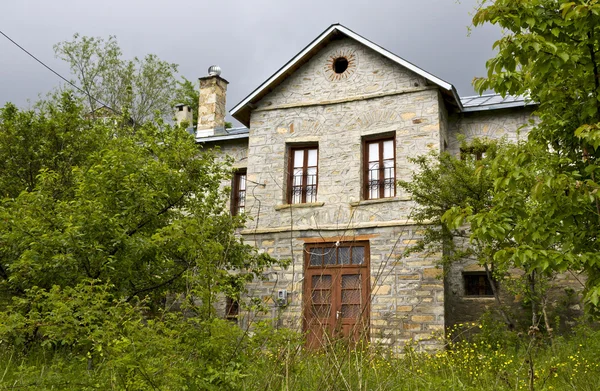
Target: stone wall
point(338, 130)
point(369, 73)
point(311, 106)
point(510, 124)
point(407, 294)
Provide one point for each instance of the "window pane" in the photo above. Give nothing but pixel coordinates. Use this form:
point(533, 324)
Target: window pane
point(329, 256)
point(297, 177)
point(374, 152)
point(298, 158)
point(344, 255)
point(358, 255)
point(311, 193)
point(316, 256)
point(311, 176)
point(388, 149)
point(242, 185)
point(312, 157)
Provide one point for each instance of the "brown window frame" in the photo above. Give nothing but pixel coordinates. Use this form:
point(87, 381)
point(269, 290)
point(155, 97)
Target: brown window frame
point(304, 185)
point(483, 289)
point(236, 197)
point(381, 177)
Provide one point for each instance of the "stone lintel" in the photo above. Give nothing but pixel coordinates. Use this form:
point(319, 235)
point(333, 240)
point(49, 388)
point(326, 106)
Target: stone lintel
point(298, 206)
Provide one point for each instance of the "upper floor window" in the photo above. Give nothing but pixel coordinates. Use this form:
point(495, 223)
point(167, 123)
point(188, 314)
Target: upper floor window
point(238, 196)
point(380, 168)
point(303, 171)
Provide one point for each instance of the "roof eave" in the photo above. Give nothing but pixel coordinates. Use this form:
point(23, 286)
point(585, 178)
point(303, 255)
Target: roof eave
point(241, 110)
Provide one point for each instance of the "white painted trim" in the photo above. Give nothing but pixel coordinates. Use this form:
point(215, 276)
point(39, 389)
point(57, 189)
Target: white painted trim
point(445, 85)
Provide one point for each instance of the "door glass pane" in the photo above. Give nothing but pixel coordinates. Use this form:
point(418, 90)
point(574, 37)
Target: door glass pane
point(350, 310)
point(344, 255)
point(388, 149)
point(316, 256)
point(321, 296)
point(321, 310)
point(329, 256)
point(321, 282)
point(351, 296)
point(351, 281)
point(312, 157)
point(358, 255)
point(298, 158)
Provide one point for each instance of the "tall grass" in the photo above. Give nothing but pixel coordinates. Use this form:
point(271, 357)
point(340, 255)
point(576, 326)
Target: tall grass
point(275, 360)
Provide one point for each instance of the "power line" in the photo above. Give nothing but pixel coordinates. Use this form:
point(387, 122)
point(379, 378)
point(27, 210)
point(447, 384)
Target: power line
point(53, 71)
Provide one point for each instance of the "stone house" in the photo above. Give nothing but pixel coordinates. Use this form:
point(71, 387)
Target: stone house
point(325, 140)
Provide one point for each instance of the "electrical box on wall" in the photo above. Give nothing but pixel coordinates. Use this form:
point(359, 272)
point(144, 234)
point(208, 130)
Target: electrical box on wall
point(282, 297)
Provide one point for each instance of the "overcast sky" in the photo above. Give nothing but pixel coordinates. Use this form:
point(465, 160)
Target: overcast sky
point(248, 39)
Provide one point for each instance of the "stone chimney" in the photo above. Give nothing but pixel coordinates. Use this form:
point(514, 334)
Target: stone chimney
point(211, 109)
point(183, 113)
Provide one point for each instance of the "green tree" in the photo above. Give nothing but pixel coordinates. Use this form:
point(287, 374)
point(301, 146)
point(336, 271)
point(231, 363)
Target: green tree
point(140, 208)
point(143, 86)
point(545, 207)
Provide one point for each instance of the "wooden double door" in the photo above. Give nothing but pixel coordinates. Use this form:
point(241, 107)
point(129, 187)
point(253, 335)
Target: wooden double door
point(336, 292)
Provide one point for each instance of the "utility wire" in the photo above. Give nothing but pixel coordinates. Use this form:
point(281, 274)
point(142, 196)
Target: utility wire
point(53, 71)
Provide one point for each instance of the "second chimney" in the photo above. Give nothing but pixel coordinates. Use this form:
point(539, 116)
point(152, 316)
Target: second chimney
point(211, 104)
point(183, 113)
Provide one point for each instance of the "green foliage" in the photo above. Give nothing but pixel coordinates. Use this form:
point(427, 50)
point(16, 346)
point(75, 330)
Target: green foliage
point(141, 208)
point(169, 354)
point(546, 207)
point(143, 86)
point(115, 245)
point(443, 182)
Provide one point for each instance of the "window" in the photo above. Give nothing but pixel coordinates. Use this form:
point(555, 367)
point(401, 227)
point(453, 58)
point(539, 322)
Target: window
point(302, 178)
point(380, 168)
point(232, 309)
point(477, 153)
point(238, 196)
point(477, 284)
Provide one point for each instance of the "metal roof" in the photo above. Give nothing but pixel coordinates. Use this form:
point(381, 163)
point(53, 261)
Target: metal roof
point(230, 134)
point(240, 111)
point(493, 102)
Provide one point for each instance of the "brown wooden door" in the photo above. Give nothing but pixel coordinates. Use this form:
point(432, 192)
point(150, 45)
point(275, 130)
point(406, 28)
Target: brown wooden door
point(336, 292)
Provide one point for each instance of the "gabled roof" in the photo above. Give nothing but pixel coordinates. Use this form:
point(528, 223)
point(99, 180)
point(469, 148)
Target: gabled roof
point(242, 110)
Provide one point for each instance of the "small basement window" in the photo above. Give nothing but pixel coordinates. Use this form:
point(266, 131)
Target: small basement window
point(340, 64)
point(232, 309)
point(477, 284)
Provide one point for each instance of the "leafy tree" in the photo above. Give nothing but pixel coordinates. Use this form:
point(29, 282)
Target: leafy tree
point(143, 86)
point(545, 207)
point(139, 208)
point(444, 183)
